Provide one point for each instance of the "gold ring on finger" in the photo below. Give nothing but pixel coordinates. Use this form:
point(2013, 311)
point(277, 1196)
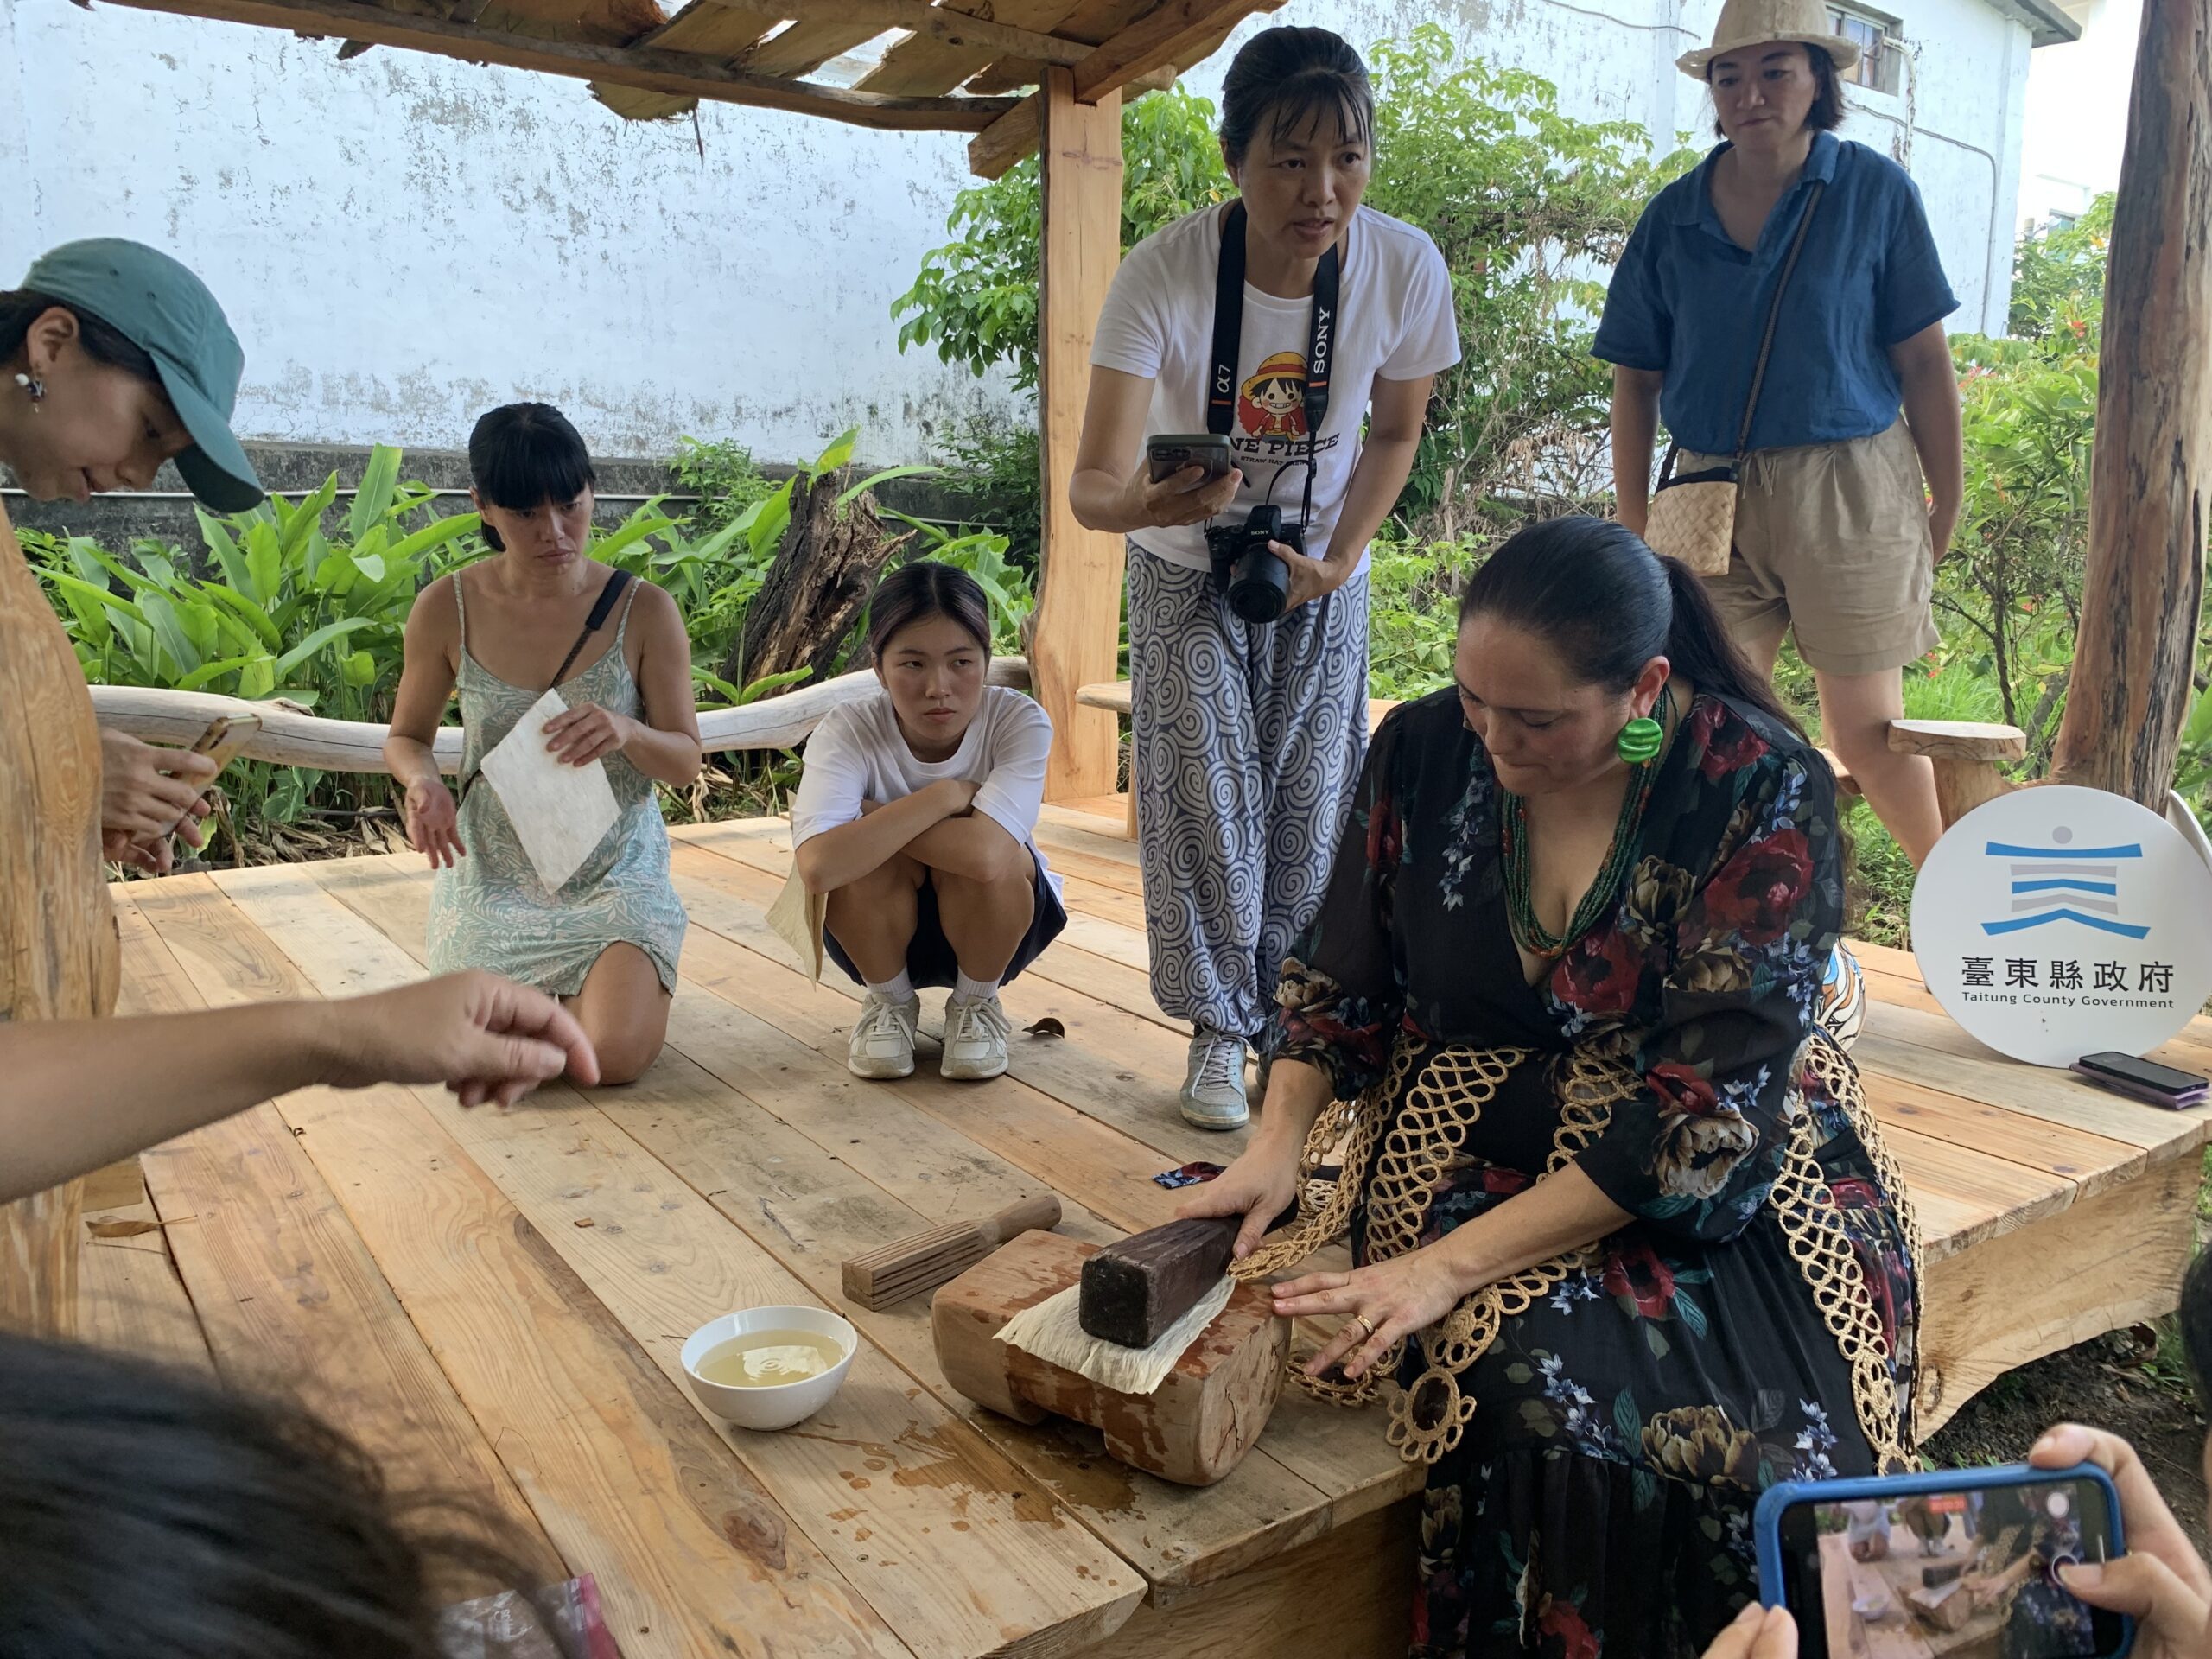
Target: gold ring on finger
point(1361, 1320)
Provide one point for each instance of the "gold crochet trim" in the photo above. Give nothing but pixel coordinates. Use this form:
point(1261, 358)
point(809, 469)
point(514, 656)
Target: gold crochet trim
point(1399, 1171)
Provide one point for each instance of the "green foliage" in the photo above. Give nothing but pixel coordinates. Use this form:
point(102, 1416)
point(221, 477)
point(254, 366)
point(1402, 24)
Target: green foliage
point(982, 554)
point(1524, 203)
point(1413, 598)
point(721, 474)
point(2058, 278)
point(1001, 461)
point(286, 612)
point(975, 298)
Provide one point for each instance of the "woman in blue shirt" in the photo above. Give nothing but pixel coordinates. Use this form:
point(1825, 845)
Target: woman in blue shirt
point(1836, 534)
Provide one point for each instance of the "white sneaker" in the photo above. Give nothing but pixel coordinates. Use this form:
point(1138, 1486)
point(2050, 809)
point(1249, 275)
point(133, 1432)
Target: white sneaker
point(976, 1030)
point(1213, 1084)
point(883, 1038)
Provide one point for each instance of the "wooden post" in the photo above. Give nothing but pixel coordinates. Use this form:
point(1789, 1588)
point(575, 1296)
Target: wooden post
point(1079, 610)
point(2151, 484)
point(58, 949)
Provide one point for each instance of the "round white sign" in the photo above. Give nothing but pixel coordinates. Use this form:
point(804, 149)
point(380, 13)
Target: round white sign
point(2056, 922)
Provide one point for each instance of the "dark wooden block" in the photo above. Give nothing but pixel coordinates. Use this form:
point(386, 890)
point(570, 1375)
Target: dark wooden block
point(1133, 1291)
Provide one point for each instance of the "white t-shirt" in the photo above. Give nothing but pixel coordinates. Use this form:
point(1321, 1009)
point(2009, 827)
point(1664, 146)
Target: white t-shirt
point(858, 753)
point(1395, 319)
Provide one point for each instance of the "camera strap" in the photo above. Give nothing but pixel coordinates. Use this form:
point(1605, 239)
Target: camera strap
point(1229, 339)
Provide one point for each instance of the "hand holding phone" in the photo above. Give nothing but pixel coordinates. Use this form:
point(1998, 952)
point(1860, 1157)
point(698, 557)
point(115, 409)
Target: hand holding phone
point(1172, 453)
point(1921, 1566)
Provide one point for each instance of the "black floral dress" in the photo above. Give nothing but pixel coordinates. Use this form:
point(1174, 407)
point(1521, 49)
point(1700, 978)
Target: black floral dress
point(1599, 1503)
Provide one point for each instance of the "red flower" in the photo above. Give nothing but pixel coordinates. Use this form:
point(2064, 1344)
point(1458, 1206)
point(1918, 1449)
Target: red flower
point(1598, 974)
point(1759, 890)
point(1851, 1193)
point(1502, 1183)
point(1563, 1622)
point(1682, 1089)
point(1384, 835)
point(1638, 1278)
point(1728, 742)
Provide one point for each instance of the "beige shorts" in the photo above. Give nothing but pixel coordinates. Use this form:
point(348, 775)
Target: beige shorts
point(1832, 544)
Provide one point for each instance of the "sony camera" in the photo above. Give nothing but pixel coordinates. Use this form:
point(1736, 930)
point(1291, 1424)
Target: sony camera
point(1250, 574)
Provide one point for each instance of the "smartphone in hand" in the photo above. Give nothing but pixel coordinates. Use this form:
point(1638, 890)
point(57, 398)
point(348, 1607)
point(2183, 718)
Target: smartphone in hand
point(1954, 1562)
point(1170, 454)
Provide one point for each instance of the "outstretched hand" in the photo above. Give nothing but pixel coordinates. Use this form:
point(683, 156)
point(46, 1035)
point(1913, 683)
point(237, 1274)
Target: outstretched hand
point(433, 824)
point(485, 1038)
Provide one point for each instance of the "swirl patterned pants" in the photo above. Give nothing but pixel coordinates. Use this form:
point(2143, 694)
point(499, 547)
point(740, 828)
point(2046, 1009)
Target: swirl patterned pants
point(1250, 740)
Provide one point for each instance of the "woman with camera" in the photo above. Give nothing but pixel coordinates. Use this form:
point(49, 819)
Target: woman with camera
point(1819, 248)
point(1306, 314)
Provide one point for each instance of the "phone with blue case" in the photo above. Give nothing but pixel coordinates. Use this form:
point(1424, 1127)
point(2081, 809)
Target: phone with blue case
point(1902, 1547)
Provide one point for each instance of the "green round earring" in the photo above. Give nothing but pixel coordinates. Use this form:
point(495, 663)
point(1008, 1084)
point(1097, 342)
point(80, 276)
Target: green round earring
point(1639, 741)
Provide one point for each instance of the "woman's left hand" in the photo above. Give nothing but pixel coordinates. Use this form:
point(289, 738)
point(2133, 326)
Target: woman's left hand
point(587, 733)
point(1310, 578)
point(1379, 1303)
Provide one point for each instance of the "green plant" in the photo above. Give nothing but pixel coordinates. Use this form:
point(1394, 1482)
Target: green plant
point(720, 473)
point(1413, 594)
point(999, 460)
point(1523, 201)
point(975, 298)
point(982, 554)
point(287, 611)
point(715, 577)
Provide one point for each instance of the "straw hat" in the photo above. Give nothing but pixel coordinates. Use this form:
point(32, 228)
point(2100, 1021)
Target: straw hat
point(1754, 22)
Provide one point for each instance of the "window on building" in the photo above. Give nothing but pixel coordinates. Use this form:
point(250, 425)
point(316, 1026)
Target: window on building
point(1876, 37)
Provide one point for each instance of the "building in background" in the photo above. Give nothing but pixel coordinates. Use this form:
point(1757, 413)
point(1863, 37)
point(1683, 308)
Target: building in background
point(405, 240)
point(2077, 113)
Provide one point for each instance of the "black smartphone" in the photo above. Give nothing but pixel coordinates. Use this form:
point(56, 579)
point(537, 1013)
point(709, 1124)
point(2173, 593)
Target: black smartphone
point(1170, 453)
point(2161, 1086)
point(1961, 1562)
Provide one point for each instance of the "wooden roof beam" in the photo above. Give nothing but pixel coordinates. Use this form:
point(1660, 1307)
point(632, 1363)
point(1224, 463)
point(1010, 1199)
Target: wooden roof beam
point(676, 73)
point(1172, 35)
point(953, 27)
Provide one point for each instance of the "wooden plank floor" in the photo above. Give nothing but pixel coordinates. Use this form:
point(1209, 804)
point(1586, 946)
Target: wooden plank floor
point(496, 1298)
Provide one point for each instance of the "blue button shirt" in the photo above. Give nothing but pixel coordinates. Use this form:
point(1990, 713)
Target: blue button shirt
point(1685, 300)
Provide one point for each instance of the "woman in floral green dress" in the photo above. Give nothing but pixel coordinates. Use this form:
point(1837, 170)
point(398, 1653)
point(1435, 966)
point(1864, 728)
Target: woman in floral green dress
point(1598, 1155)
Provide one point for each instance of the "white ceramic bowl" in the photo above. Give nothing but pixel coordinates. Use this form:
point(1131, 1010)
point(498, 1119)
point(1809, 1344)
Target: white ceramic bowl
point(781, 1404)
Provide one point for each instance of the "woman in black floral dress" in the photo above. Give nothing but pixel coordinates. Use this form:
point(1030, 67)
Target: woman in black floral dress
point(1601, 1154)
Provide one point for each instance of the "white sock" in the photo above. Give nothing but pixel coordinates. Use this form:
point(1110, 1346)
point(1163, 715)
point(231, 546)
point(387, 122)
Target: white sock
point(900, 989)
point(975, 991)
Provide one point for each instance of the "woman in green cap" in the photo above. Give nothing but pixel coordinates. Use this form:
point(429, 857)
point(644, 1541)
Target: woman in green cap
point(114, 358)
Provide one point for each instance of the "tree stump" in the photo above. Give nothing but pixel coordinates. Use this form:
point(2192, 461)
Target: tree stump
point(58, 953)
point(816, 590)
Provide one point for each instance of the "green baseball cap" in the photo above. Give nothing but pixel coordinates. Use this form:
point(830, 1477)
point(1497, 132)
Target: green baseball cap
point(168, 313)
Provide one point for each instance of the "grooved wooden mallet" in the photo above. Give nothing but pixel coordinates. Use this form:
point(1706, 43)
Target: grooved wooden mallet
point(921, 1261)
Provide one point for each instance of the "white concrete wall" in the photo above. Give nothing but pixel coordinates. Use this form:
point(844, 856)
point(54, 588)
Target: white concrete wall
point(405, 240)
point(2077, 111)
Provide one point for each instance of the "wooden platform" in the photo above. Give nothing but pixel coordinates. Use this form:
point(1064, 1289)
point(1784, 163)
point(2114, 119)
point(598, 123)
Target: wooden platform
point(494, 1300)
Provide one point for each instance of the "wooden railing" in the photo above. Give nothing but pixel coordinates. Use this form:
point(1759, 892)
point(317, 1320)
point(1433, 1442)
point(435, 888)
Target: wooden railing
point(290, 735)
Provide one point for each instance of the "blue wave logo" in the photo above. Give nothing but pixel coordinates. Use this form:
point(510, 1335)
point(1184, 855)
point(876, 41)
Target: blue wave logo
point(2065, 884)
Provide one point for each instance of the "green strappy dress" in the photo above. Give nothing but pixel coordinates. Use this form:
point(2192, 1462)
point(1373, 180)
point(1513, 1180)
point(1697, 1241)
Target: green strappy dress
point(490, 911)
